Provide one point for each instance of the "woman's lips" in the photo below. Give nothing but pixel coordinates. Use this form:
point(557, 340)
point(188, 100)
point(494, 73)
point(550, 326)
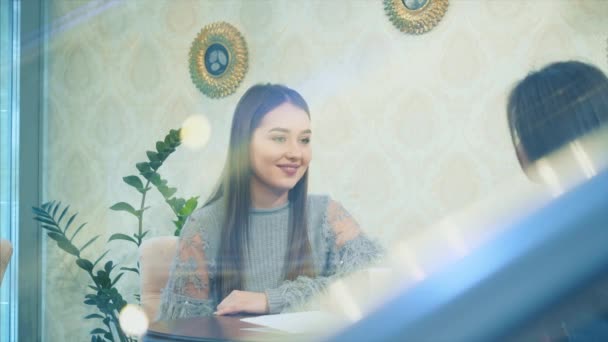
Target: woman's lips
point(290, 170)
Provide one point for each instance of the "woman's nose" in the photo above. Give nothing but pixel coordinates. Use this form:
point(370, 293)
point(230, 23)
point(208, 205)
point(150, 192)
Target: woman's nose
point(292, 155)
point(293, 151)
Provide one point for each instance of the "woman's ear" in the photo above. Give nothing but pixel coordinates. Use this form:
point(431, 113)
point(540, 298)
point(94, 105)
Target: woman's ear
point(531, 169)
point(525, 164)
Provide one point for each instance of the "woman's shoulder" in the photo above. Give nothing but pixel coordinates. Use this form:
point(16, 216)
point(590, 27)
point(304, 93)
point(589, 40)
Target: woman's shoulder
point(317, 203)
point(208, 216)
point(323, 203)
point(206, 222)
point(210, 209)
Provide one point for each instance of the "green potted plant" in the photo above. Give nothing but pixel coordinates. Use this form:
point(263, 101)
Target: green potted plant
point(103, 294)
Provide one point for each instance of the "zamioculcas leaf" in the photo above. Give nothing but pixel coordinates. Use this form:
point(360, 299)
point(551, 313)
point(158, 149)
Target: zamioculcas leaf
point(39, 211)
point(189, 207)
point(55, 209)
point(88, 243)
point(147, 174)
point(62, 214)
point(101, 257)
point(69, 223)
point(123, 206)
point(93, 316)
point(176, 204)
point(84, 264)
point(162, 156)
point(155, 165)
point(152, 156)
point(143, 167)
point(77, 231)
point(45, 220)
point(68, 247)
point(98, 331)
point(108, 266)
point(140, 237)
point(119, 236)
point(134, 181)
point(161, 146)
point(56, 236)
point(156, 180)
point(53, 229)
point(117, 278)
point(130, 269)
point(167, 192)
point(175, 136)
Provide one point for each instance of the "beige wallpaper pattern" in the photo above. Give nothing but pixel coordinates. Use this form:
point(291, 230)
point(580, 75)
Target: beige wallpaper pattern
point(407, 129)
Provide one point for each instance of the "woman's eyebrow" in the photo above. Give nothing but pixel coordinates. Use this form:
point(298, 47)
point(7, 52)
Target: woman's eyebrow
point(279, 129)
point(285, 130)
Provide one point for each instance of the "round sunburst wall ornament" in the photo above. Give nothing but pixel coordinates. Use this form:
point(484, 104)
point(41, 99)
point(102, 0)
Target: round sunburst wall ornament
point(415, 16)
point(218, 59)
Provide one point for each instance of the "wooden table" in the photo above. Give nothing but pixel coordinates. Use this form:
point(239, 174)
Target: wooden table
point(214, 328)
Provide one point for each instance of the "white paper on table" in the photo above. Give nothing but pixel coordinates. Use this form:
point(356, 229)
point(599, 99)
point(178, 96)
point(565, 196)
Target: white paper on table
point(260, 330)
point(296, 322)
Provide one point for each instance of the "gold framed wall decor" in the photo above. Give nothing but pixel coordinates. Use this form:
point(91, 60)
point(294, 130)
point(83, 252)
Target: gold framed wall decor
point(218, 59)
point(415, 16)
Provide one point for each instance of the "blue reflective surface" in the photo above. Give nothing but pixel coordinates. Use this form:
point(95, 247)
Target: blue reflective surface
point(497, 288)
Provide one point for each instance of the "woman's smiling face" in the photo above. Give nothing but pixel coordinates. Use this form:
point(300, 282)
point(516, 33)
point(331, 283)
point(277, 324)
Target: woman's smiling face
point(280, 150)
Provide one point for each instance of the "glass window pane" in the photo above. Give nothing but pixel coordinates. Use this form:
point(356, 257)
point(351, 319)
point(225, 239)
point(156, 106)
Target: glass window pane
point(8, 172)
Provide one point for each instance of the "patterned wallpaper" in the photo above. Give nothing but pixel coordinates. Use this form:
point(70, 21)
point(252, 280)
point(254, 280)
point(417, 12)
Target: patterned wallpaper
point(407, 129)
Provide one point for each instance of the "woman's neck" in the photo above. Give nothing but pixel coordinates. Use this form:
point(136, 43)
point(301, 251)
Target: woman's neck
point(264, 198)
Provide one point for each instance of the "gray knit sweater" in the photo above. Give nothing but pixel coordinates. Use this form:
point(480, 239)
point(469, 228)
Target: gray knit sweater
point(338, 247)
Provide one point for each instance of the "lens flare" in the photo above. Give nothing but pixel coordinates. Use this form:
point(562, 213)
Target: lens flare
point(195, 132)
point(133, 320)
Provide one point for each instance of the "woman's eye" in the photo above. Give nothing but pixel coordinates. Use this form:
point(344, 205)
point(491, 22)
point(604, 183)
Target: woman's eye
point(279, 139)
point(305, 141)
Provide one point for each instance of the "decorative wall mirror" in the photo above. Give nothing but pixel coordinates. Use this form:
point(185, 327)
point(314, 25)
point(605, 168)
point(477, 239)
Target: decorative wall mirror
point(218, 59)
point(415, 16)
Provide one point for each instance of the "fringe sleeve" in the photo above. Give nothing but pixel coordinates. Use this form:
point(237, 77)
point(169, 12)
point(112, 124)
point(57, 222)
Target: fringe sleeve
point(187, 291)
point(350, 251)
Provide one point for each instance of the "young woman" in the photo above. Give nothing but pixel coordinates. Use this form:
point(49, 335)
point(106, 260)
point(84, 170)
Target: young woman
point(554, 106)
point(260, 244)
point(547, 110)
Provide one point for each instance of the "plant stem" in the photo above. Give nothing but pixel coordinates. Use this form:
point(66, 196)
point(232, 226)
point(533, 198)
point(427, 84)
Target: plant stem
point(121, 334)
point(140, 219)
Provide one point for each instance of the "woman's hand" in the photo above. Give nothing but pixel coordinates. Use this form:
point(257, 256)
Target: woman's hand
point(243, 301)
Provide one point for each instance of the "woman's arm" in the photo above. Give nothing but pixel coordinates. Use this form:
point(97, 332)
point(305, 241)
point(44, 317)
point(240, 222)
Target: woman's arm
point(187, 290)
point(351, 251)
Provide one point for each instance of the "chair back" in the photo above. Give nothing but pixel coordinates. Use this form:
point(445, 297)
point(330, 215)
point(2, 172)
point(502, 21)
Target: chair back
point(155, 258)
point(6, 250)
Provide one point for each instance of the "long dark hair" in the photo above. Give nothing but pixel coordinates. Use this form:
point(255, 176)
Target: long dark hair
point(234, 190)
point(556, 105)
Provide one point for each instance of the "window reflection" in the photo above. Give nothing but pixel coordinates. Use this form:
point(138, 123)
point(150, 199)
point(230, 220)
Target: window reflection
point(409, 133)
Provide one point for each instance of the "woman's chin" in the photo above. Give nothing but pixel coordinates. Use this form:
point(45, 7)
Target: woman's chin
point(284, 187)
